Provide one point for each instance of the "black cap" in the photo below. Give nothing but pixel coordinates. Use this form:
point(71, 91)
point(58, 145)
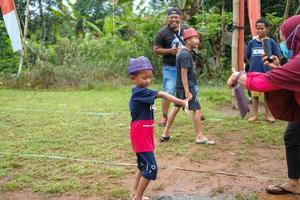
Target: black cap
point(174, 10)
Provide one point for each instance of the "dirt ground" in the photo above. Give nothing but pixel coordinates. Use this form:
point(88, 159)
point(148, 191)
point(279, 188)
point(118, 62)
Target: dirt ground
point(180, 178)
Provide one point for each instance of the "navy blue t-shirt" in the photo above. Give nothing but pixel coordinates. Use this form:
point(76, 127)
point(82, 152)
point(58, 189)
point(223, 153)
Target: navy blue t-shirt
point(141, 102)
point(184, 59)
point(142, 123)
point(254, 55)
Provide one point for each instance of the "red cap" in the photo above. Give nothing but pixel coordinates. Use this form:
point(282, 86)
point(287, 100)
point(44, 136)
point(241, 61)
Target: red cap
point(191, 32)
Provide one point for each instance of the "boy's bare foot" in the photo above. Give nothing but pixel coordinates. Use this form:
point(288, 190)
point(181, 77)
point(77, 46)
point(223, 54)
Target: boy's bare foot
point(143, 198)
point(285, 188)
point(204, 140)
point(253, 119)
point(270, 119)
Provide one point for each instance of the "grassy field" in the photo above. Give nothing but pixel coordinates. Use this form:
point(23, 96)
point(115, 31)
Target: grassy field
point(58, 142)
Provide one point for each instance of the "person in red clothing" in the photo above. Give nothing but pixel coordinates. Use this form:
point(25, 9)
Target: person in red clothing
point(142, 123)
point(282, 87)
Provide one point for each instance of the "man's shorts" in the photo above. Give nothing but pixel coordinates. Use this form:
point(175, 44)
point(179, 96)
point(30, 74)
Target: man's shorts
point(147, 164)
point(194, 104)
point(256, 94)
point(169, 79)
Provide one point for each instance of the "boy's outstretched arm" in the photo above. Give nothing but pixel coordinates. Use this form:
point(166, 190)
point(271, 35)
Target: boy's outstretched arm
point(182, 102)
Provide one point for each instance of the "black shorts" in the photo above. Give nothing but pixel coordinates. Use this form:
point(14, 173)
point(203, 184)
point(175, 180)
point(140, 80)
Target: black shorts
point(147, 164)
point(194, 104)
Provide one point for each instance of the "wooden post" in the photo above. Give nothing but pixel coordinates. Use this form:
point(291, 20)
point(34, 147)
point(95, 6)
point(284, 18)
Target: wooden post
point(234, 46)
point(241, 35)
point(24, 51)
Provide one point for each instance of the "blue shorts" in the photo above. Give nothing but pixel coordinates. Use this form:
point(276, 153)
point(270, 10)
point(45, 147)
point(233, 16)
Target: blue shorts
point(169, 79)
point(147, 164)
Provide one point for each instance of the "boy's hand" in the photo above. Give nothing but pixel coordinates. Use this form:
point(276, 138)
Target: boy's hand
point(186, 103)
point(188, 94)
point(231, 79)
point(174, 50)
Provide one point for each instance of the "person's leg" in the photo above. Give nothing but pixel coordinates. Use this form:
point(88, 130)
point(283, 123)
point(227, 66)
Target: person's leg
point(249, 97)
point(200, 138)
point(255, 109)
point(136, 183)
point(148, 166)
point(141, 189)
point(169, 85)
point(197, 125)
point(164, 103)
point(292, 146)
point(170, 121)
point(268, 115)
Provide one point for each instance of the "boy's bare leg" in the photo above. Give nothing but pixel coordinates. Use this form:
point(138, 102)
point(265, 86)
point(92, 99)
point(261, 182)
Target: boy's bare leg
point(165, 104)
point(255, 110)
point(198, 126)
point(143, 183)
point(136, 183)
point(268, 115)
point(170, 121)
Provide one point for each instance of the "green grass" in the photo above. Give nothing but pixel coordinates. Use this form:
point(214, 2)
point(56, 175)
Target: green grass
point(70, 124)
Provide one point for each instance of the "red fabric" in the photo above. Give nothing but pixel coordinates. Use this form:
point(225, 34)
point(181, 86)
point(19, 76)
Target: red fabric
point(254, 15)
point(141, 135)
point(283, 104)
point(7, 6)
point(257, 81)
point(287, 76)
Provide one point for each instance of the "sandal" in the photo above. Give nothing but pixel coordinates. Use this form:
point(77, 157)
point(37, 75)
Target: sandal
point(279, 189)
point(205, 141)
point(165, 138)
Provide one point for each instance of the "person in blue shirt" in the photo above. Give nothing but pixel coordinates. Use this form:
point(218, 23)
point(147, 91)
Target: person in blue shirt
point(142, 122)
point(253, 56)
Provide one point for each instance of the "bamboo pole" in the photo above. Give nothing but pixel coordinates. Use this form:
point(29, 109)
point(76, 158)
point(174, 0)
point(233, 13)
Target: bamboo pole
point(241, 36)
point(24, 35)
point(298, 9)
point(234, 45)
point(287, 9)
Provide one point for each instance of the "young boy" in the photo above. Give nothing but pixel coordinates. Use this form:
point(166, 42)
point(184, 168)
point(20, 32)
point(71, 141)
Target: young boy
point(187, 86)
point(253, 56)
point(142, 123)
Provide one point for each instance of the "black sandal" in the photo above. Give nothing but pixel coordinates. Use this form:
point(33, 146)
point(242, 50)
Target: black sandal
point(165, 139)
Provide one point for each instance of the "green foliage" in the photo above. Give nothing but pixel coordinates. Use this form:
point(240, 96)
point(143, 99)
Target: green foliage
point(8, 60)
point(275, 22)
point(88, 42)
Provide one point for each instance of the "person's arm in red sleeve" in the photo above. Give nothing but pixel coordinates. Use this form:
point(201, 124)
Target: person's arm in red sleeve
point(259, 82)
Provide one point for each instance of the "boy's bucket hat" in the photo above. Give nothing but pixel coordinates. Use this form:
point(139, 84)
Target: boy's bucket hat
point(138, 64)
point(188, 33)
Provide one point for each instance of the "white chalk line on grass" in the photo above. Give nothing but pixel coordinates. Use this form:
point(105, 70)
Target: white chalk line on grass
point(127, 164)
point(98, 114)
point(63, 158)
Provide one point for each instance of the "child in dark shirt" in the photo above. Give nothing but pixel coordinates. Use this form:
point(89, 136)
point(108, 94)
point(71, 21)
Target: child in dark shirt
point(142, 123)
point(253, 56)
point(187, 86)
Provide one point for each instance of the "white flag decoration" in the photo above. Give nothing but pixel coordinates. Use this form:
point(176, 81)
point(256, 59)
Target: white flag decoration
point(12, 23)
